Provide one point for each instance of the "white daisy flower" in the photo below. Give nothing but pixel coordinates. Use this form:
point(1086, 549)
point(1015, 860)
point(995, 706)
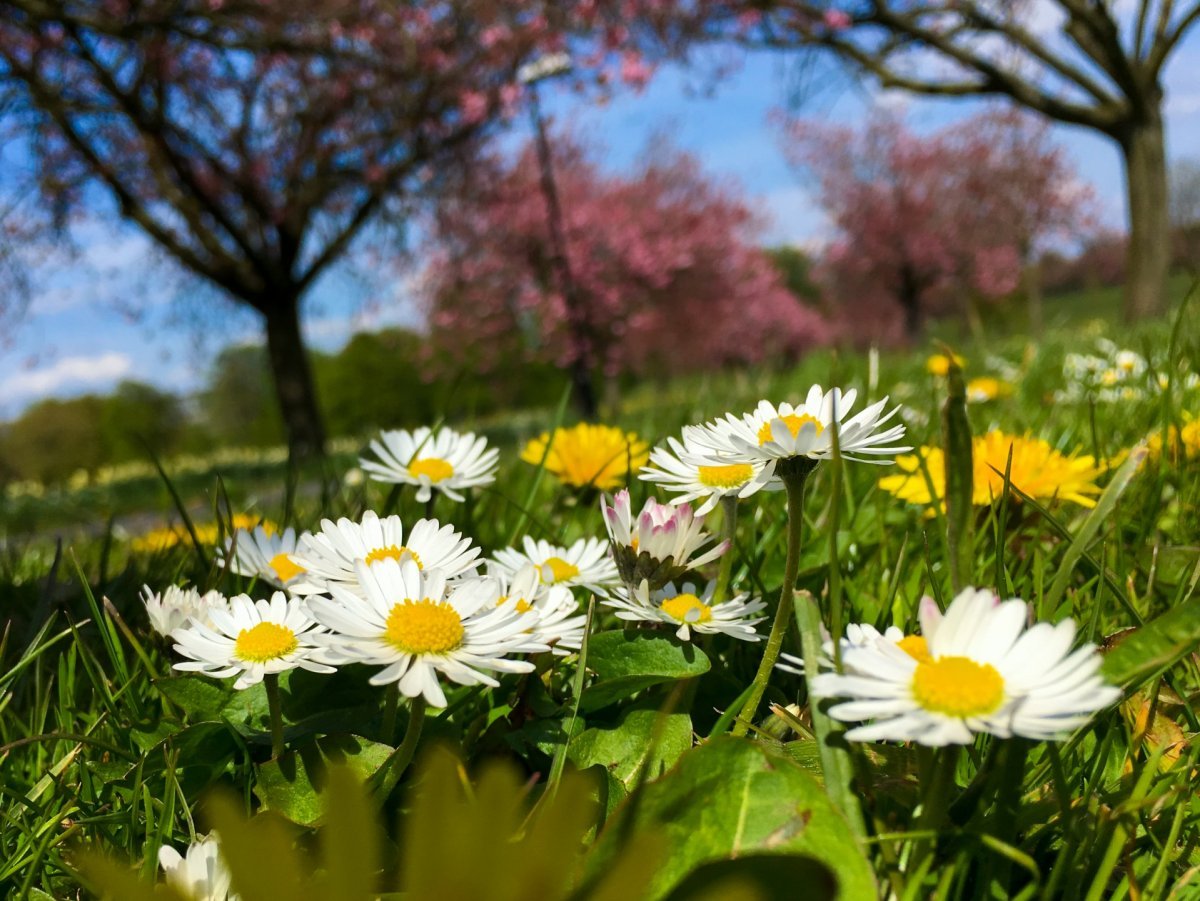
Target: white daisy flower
point(170, 609)
point(857, 635)
point(263, 554)
point(785, 431)
point(979, 669)
point(445, 461)
point(553, 610)
point(660, 544)
point(690, 609)
point(329, 556)
point(585, 564)
point(252, 639)
point(699, 471)
point(415, 625)
point(201, 874)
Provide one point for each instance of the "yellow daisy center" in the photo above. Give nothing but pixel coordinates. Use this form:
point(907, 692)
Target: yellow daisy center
point(284, 567)
point(264, 642)
point(730, 476)
point(916, 647)
point(957, 686)
point(423, 627)
point(556, 569)
point(391, 552)
point(793, 421)
point(433, 468)
point(523, 606)
point(687, 608)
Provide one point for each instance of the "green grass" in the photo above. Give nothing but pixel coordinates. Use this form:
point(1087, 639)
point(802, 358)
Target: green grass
point(103, 747)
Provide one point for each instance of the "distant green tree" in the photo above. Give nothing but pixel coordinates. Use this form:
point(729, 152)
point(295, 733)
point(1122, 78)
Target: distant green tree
point(54, 438)
point(238, 406)
point(375, 382)
point(795, 266)
point(138, 417)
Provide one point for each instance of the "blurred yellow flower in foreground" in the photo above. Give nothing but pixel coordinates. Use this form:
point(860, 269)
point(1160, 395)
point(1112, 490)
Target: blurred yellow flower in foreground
point(584, 455)
point(981, 390)
point(939, 364)
point(1185, 440)
point(165, 537)
point(1037, 469)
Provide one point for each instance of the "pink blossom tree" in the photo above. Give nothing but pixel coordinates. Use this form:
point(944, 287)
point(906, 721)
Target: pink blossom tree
point(667, 274)
point(257, 142)
point(924, 223)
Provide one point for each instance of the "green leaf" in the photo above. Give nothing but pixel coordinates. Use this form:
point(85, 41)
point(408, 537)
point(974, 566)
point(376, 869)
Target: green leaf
point(201, 698)
point(1150, 649)
point(836, 766)
point(959, 475)
point(727, 799)
point(637, 747)
point(350, 840)
point(112, 880)
point(291, 786)
point(1101, 513)
point(629, 660)
point(201, 754)
point(759, 877)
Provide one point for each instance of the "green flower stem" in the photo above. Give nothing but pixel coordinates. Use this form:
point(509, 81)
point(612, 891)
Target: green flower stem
point(729, 506)
point(396, 764)
point(794, 473)
point(429, 504)
point(271, 683)
point(391, 702)
point(935, 805)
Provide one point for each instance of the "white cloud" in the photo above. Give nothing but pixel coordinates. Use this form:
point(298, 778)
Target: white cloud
point(67, 373)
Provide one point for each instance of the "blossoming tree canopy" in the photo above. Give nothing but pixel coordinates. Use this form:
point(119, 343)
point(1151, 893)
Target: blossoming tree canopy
point(257, 142)
point(664, 258)
point(924, 221)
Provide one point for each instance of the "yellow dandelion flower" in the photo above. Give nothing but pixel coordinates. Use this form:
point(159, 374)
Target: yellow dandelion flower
point(1037, 469)
point(584, 455)
point(167, 537)
point(985, 388)
point(939, 364)
point(1183, 440)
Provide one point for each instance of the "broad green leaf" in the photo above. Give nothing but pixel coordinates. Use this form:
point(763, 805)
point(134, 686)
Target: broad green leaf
point(631, 750)
point(629, 660)
point(201, 698)
point(759, 877)
point(292, 785)
point(1152, 648)
point(729, 798)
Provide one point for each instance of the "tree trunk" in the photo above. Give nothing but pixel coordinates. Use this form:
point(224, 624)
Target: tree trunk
point(909, 296)
point(1032, 277)
point(294, 387)
point(1144, 152)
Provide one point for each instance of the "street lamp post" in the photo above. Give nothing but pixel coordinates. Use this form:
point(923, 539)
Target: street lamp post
point(580, 367)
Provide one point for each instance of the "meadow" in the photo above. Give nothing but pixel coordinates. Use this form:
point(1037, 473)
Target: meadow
point(618, 747)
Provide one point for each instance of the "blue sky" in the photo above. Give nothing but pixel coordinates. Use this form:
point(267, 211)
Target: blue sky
point(115, 311)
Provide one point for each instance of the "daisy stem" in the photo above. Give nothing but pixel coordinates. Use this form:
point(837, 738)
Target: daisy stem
point(391, 702)
point(729, 505)
point(271, 683)
point(935, 804)
point(429, 505)
point(400, 758)
point(794, 480)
